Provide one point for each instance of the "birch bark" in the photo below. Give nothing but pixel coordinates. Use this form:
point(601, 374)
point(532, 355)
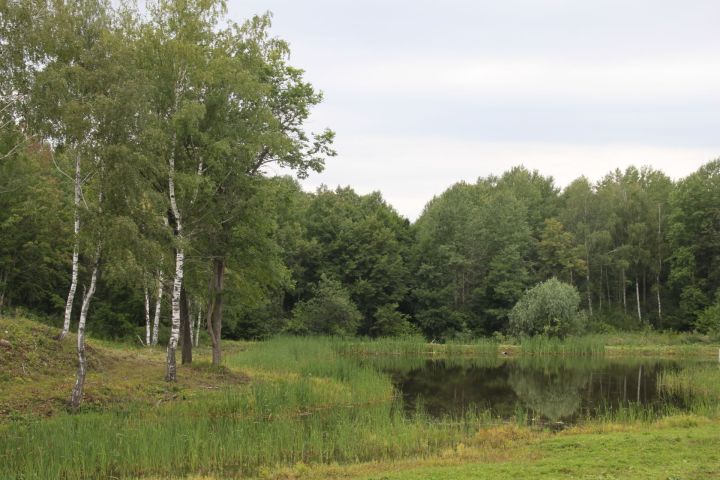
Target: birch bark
point(171, 374)
point(77, 392)
point(76, 249)
point(158, 304)
point(147, 317)
point(197, 327)
point(637, 298)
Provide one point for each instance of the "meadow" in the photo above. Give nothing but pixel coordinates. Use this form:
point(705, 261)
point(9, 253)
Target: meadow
point(290, 407)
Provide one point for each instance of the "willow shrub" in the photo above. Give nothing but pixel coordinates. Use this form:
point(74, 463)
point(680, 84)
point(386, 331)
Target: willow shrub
point(550, 308)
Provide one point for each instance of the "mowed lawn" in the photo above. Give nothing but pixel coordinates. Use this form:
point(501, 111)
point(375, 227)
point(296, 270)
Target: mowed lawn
point(677, 448)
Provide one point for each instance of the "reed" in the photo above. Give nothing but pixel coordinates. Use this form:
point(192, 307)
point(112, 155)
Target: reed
point(572, 346)
point(313, 406)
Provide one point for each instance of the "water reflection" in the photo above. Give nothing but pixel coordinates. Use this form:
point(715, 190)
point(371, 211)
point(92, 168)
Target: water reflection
point(550, 389)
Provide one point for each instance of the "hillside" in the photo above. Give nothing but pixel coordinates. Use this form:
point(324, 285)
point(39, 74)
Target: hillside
point(38, 372)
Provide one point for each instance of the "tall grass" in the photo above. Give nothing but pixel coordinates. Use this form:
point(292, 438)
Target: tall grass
point(694, 382)
point(312, 405)
point(405, 346)
point(574, 346)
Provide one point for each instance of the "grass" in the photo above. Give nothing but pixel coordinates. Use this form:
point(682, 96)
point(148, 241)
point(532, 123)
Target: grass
point(679, 448)
point(285, 408)
point(573, 346)
point(626, 344)
point(307, 404)
point(406, 346)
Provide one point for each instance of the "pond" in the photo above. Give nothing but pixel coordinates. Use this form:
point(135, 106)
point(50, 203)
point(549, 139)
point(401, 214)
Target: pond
point(547, 390)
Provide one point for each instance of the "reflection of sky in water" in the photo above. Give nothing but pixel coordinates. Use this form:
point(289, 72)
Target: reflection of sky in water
point(551, 389)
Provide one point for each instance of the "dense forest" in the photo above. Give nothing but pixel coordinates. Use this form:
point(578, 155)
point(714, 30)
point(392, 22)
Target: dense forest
point(134, 194)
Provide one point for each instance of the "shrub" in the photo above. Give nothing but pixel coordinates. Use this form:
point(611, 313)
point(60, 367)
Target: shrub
point(389, 322)
point(329, 312)
point(708, 321)
point(549, 308)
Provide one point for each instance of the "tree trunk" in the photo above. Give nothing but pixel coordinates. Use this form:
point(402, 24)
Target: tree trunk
point(637, 298)
point(215, 309)
point(77, 392)
point(600, 296)
point(158, 304)
point(76, 249)
point(3, 286)
point(587, 279)
point(659, 271)
point(659, 303)
point(147, 317)
point(624, 292)
point(197, 327)
point(186, 329)
point(171, 374)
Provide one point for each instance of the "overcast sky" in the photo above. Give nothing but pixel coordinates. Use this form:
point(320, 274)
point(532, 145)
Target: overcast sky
point(425, 93)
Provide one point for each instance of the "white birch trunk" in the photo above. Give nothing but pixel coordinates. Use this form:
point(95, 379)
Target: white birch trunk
point(171, 374)
point(197, 327)
point(76, 250)
point(77, 392)
point(659, 303)
point(158, 304)
point(624, 292)
point(637, 298)
point(658, 299)
point(587, 279)
point(147, 317)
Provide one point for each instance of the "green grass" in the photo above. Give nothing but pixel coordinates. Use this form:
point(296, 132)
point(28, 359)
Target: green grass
point(406, 346)
point(671, 453)
point(312, 405)
point(698, 385)
point(309, 401)
point(572, 346)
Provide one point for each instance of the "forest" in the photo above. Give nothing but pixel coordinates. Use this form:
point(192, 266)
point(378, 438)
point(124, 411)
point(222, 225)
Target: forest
point(134, 192)
point(138, 209)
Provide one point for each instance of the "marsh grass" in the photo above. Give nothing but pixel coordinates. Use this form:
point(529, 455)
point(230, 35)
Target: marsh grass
point(572, 346)
point(405, 346)
point(696, 383)
point(316, 407)
point(311, 400)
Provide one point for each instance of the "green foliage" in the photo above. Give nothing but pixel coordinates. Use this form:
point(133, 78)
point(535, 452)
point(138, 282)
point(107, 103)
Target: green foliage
point(708, 321)
point(389, 322)
point(329, 312)
point(550, 308)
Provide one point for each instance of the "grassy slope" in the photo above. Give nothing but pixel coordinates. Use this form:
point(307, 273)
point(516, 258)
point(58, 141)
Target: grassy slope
point(37, 372)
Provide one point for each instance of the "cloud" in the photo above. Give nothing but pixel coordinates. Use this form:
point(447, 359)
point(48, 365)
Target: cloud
point(529, 79)
point(410, 170)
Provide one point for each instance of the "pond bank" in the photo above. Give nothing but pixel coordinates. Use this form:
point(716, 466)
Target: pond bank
point(288, 406)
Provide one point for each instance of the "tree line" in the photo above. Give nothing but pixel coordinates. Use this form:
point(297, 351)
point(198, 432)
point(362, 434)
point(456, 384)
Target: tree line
point(134, 196)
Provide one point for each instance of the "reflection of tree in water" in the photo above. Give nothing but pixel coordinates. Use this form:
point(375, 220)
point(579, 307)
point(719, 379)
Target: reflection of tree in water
point(553, 393)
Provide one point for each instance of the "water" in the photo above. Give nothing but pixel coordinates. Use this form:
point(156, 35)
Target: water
point(548, 390)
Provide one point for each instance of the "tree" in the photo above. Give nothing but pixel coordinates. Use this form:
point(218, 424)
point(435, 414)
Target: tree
point(550, 308)
point(329, 312)
point(695, 239)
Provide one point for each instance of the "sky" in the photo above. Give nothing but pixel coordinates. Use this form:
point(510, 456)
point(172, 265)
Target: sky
point(422, 94)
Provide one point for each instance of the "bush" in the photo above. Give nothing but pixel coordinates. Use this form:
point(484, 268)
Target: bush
point(329, 312)
point(549, 308)
point(389, 322)
point(708, 321)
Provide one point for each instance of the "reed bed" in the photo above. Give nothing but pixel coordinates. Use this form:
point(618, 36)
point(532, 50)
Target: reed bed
point(406, 346)
point(573, 346)
point(697, 382)
point(318, 407)
point(312, 400)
